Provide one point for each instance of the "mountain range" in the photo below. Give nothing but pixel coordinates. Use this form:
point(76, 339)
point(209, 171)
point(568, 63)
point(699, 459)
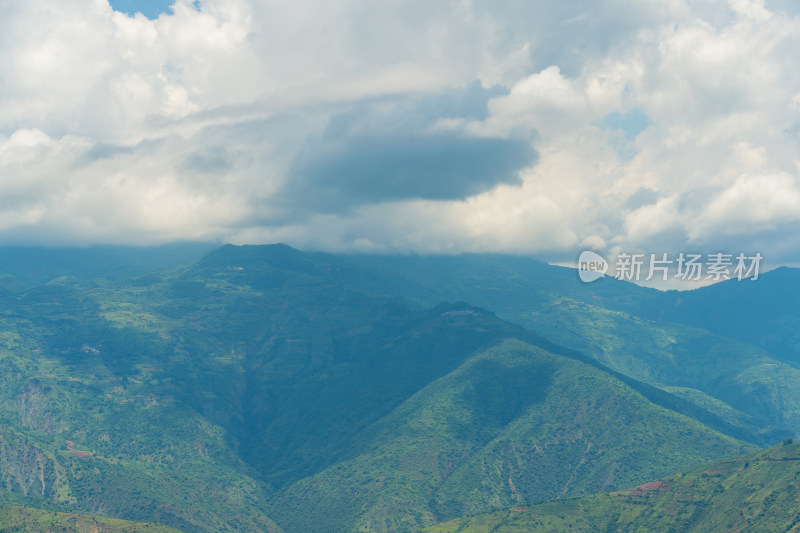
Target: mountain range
point(261, 388)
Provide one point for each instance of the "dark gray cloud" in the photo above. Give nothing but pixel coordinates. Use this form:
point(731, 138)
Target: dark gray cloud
point(358, 170)
point(388, 150)
point(642, 196)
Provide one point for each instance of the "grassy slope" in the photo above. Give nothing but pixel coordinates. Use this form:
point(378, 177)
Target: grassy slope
point(81, 426)
point(15, 519)
point(755, 493)
point(743, 376)
point(512, 424)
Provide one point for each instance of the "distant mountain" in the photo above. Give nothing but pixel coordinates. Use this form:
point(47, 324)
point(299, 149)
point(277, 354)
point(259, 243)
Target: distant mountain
point(761, 312)
point(754, 493)
point(26, 266)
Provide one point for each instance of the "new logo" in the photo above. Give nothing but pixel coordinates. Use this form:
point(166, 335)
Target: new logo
point(591, 266)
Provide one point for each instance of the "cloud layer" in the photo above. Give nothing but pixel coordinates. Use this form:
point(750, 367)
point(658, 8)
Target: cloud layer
point(530, 127)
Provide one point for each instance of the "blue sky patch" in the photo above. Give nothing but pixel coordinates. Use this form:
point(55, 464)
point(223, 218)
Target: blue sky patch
point(627, 127)
point(631, 124)
point(149, 8)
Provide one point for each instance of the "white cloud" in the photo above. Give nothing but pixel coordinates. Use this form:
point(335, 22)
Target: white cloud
point(546, 102)
point(648, 221)
point(123, 129)
point(751, 204)
point(752, 9)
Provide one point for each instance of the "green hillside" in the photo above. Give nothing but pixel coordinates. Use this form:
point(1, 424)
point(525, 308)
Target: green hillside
point(512, 424)
point(82, 429)
point(764, 389)
point(26, 520)
point(753, 493)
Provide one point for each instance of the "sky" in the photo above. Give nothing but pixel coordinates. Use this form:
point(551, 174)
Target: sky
point(149, 8)
point(538, 128)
